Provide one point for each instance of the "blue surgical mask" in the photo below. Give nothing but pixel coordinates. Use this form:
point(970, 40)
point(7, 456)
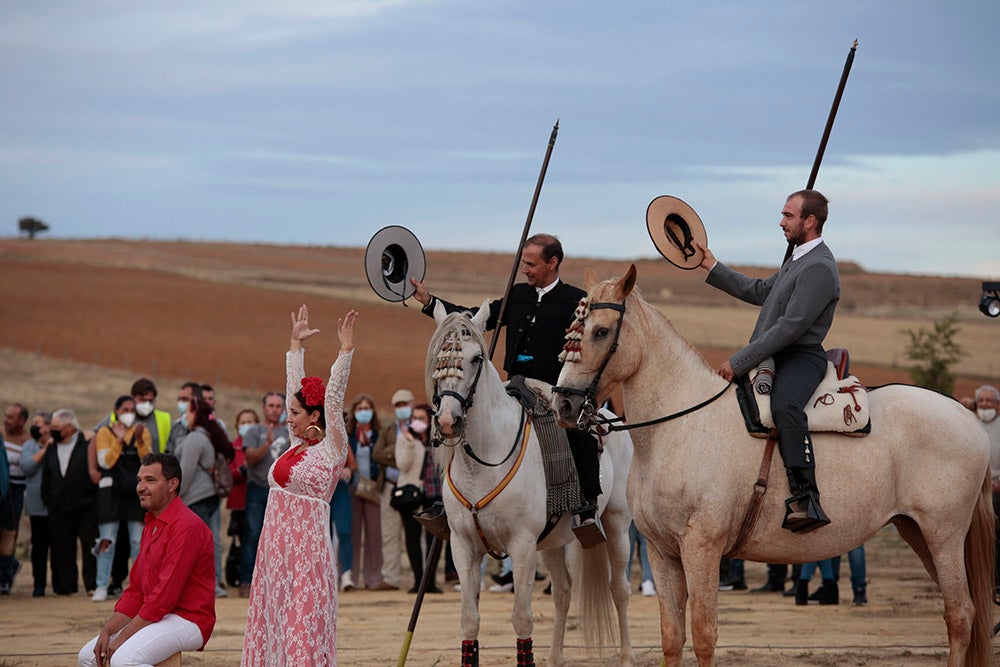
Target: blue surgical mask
point(244, 429)
point(364, 416)
point(403, 413)
point(283, 418)
point(182, 407)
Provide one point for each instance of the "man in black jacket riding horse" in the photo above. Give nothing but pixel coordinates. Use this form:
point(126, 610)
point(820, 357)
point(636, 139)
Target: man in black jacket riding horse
point(537, 314)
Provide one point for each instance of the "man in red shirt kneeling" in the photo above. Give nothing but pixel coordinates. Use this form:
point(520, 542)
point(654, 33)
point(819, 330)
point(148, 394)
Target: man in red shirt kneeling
point(169, 605)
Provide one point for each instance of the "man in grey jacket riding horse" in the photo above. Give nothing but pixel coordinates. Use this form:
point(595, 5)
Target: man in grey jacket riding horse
point(797, 306)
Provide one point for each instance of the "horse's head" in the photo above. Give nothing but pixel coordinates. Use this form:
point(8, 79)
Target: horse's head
point(592, 361)
point(455, 360)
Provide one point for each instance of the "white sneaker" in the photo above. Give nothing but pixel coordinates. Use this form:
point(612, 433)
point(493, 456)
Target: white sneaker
point(100, 594)
point(648, 588)
point(346, 581)
point(502, 588)
point(220, 592)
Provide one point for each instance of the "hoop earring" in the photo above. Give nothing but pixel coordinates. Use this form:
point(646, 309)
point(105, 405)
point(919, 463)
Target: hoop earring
point(319, 432)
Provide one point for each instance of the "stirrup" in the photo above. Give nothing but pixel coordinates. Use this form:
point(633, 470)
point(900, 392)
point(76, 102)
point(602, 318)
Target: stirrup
point(806, 516)
point(589, 532)
point(435, 521)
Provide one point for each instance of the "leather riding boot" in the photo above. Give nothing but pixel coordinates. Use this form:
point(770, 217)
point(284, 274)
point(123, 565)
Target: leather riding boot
point(587, 527)
point(802, 592)
point(803, 512)
point(832, 591)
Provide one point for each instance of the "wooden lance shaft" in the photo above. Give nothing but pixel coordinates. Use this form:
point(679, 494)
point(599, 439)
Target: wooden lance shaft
point(435, 549)
point(827, 130)
point(524, 237)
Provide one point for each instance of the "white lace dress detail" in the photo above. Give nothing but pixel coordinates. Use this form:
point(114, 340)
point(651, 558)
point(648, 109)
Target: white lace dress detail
point(292, 617)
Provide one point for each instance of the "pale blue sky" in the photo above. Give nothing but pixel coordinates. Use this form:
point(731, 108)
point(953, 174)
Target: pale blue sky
point(321, 122)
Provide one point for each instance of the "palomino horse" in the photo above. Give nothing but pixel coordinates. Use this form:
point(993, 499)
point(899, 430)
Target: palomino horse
point(924, 468)
point(495, 498)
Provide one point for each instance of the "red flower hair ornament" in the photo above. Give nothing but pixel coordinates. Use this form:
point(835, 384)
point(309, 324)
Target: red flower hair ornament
point(314, 391)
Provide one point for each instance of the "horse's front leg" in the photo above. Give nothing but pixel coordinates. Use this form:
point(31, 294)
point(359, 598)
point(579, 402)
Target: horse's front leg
point(524, 558)
point(467, 564)
point(700, 557)
point(554, 561)
point(671, 594)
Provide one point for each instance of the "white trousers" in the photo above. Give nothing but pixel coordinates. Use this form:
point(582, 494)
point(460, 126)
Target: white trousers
point(392, 538)
point(151, 645)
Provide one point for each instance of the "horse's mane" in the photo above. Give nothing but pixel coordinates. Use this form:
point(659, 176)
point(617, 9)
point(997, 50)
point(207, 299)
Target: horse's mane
point(459, 326)
point(651, 316)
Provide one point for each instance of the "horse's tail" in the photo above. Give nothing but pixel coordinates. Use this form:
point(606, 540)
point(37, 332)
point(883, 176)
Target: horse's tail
point(979, 566)
point(593, 584)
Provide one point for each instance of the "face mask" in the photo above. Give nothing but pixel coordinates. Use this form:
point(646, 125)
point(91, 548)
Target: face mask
point(403, 413)
point(986, 414)
point(418, 426)
point(182, 407)
point(283, 417)
point(144, 409)
point(35, 432)
point(57, 436)
point(364, 416)
point(244, 429)
point(127, 419)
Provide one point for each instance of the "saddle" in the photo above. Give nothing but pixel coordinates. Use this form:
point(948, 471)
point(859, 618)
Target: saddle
point(839, 404)
point(561, 481)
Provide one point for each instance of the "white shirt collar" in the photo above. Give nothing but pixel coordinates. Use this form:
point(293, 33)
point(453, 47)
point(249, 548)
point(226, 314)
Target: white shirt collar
point(542, 291)
point(801, 250)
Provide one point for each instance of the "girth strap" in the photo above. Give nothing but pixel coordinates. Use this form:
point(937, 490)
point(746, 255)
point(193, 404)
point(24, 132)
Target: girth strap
point(489, 497)
point(759, 489)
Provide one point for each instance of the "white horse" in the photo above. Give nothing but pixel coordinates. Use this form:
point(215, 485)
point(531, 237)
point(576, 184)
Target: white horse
point(924, 468)
point(494, 464)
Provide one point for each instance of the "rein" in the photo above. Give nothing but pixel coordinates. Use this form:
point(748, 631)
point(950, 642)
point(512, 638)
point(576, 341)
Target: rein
point(474, 508)
point(614, 426)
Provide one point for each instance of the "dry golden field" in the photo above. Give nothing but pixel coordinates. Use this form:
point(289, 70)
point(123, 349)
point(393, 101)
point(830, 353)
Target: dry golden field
point(218, 313)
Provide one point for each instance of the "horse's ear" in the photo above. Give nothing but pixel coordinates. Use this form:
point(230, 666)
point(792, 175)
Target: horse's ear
point(589, 279)
point(624, 286)
point(439, 311)
point(482, 316)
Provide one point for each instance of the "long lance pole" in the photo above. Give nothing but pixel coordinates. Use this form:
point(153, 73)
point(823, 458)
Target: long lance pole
point(829, 127)
point(524, 237)
point(432, 556)
point(435, 547)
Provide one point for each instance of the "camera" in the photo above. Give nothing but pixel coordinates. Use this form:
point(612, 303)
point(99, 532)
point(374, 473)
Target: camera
point(989, 303)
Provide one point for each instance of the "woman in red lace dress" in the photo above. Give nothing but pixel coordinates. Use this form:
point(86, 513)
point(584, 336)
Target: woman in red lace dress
point(292, 617)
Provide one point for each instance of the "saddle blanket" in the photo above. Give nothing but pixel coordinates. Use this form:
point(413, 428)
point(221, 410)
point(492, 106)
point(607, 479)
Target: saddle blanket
point(562, 483)
point(837, 406)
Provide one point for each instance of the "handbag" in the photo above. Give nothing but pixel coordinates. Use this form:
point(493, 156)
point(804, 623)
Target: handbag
point(367, 489)
point(406, 498)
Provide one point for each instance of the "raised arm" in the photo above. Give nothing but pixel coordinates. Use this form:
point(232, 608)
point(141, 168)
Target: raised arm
point(295, 368)
point(339, 374)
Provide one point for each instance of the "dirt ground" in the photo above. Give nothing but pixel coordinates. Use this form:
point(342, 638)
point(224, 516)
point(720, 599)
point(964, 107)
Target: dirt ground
point(901, 625)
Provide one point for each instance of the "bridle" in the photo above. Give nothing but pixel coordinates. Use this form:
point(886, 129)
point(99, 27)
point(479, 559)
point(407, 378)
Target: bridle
point(449, 364)
point(589, 414)
point(589, 408)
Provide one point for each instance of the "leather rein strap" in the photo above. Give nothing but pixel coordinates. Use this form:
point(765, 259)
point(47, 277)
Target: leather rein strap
point(489, 497)
point(757, 499)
